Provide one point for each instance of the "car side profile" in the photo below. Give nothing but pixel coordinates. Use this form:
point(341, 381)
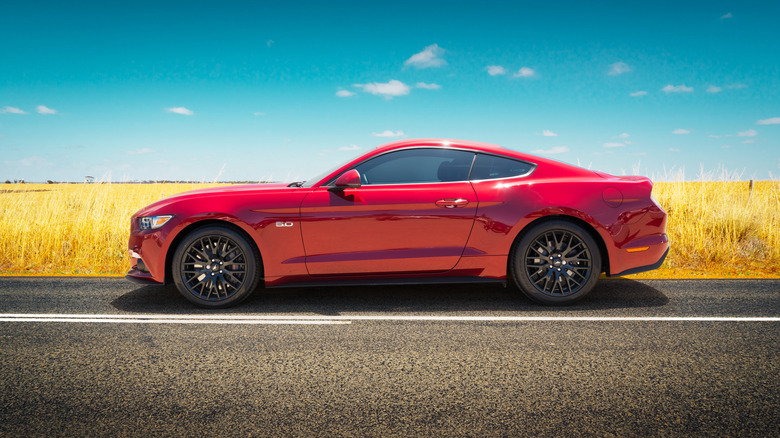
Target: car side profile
point(414, 211)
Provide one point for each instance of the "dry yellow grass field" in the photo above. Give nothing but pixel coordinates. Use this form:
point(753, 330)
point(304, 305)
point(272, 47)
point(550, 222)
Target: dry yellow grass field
point(717, 229)
point(720, 229)
point(72, 229)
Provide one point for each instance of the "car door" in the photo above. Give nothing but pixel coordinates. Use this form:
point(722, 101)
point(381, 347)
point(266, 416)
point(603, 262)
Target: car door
point(413, 212)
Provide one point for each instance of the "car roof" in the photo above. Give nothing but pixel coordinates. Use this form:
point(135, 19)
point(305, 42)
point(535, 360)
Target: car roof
point(479, 147)
point(442, 142)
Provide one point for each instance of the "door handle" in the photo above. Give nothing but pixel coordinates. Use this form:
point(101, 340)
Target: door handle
point(452, 203)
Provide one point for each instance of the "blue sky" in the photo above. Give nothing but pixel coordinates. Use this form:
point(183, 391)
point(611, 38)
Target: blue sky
point(259, 90)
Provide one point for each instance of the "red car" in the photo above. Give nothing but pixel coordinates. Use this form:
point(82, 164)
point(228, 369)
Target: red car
point(416, 211)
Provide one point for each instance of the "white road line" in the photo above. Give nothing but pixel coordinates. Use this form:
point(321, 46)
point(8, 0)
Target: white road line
point(177, 321)
point(346, 319)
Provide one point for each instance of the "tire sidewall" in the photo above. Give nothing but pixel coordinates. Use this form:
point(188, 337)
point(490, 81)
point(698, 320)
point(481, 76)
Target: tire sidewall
point(524, 283)
point(253, 266)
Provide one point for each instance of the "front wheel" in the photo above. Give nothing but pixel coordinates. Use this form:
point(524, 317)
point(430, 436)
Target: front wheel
point(216, 267)
point(555, 263)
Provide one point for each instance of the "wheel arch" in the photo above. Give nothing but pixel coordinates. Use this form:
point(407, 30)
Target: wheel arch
point(588, 227)
point(196, 226)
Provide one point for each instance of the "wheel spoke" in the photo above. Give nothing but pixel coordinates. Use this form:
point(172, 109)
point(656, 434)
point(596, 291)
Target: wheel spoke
point(198, 254)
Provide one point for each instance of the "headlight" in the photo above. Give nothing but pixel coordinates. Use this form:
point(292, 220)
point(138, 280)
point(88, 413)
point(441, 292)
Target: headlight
point(153, 222)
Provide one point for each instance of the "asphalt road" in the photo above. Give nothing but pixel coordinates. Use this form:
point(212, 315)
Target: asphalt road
point(105, 357)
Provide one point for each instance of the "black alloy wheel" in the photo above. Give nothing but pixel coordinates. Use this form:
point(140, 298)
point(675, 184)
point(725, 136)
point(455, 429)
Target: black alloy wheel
point(216, 267)
point(556, 263)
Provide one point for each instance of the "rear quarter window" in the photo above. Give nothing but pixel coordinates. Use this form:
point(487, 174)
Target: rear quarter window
point(493, 166)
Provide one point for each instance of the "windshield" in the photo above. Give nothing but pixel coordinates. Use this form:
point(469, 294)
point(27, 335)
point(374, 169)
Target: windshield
point(316, 178)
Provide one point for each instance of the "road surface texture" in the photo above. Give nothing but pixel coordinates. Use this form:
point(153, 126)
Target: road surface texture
point(105, 357)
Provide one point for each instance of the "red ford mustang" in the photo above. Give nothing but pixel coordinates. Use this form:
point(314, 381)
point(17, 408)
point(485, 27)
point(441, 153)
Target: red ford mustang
point(416, 211)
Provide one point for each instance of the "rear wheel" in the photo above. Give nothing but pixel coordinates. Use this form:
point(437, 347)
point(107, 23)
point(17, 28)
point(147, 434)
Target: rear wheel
point(216, 267)
point(556, 263)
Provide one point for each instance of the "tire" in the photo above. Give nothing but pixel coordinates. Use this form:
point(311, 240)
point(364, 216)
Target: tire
point(216, 267)
point(555, 263)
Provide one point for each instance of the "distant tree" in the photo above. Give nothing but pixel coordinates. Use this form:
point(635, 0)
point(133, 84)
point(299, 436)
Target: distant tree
point(48, 181)
point(7, 182)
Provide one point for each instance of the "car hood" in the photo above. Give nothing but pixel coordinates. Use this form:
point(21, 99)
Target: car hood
point(232, 189)
point(161, 206)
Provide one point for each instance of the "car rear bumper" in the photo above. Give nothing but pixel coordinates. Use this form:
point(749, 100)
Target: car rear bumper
point(657, 264)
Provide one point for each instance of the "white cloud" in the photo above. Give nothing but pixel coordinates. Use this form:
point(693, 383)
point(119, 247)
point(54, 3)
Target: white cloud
point(674, 150)
point(548, 133)
point(553, 151)
point(431, 56)
point(180, 110)
point(749, 141)
point(680, 131)
point(495, 70)
point(618, 68)
point(352, 147)
point(716, 89)
point(714, 136)
point(11, 110)
point(748, 133)
point(524, 72)
point(614, 145)
point(388, 90)
point(269, 43)
point(725, 146)
point(344, 93)
point(258, 114)
point(726, 16)
point(638, 93)
point(771, 121)
point(141, 151)
point(677, 89)
point(623, 135)
point(388, 133)
point(428, 86)
point(41, 109)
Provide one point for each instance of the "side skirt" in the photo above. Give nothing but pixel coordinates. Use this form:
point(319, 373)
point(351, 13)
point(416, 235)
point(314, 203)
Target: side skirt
point(393, 282)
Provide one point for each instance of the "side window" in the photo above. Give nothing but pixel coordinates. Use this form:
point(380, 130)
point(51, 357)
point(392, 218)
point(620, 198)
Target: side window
point(417, 166)
point(491, 166)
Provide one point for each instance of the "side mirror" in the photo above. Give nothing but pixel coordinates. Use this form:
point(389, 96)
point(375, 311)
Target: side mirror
point(348, 180)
